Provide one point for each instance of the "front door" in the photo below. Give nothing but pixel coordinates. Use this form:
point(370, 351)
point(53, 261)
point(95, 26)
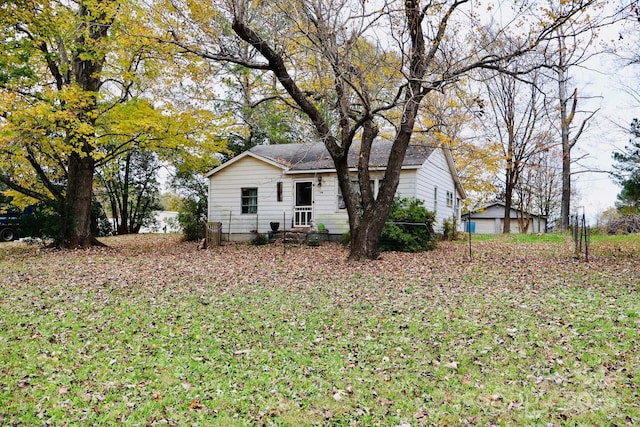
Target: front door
point(303, 210)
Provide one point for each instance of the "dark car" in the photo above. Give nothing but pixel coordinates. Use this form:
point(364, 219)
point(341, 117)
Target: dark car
point(9, 223)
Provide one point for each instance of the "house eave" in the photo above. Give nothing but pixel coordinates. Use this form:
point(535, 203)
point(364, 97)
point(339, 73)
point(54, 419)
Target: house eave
point(454, 171)
point(332, 170)
point(308, 171)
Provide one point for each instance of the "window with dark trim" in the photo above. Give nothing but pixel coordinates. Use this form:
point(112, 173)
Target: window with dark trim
point(279, 191)
point(356, 184)
point(449, 199)
point(249, 200)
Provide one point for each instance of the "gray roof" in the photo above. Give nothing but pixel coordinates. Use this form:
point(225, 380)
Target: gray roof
point(315, 156)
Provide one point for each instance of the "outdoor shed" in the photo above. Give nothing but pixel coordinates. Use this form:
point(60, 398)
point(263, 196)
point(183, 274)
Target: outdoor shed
point(490, 220)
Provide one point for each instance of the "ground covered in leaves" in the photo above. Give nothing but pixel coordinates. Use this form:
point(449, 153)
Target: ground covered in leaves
point(152, 331)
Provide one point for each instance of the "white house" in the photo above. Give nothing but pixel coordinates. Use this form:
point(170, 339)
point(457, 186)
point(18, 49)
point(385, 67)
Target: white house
point(297, 186)
point(490, 220)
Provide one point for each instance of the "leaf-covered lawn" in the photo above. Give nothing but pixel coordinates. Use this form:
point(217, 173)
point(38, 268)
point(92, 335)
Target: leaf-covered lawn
point(152, 331)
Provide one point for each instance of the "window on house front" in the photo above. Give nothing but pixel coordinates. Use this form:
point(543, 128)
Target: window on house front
point(449, 199)
point(249, 200)
point(279, 191)
point(356, 185)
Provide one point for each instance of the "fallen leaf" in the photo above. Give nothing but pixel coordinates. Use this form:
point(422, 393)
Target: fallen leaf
point(195, 405)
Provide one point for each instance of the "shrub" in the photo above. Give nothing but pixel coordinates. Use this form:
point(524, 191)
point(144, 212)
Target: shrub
point(449, 231)
point(260, 239)
point(42, 221)
point(409, 227)
point(626, 224)
point(192, 218)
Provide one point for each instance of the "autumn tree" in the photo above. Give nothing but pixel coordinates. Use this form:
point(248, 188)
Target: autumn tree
point(455, 120)
point(351, 67)
point(53, 57)
point(71, 79)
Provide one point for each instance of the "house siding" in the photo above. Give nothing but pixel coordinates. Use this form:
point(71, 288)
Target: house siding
point(326, 206)
point(433, 174)
point(225, 196)
point(336, 220)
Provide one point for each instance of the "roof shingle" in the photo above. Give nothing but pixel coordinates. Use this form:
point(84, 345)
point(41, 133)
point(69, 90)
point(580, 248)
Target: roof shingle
point(315, 156)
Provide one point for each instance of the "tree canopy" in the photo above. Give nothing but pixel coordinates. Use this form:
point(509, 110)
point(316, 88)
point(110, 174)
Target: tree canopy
point(77, 91)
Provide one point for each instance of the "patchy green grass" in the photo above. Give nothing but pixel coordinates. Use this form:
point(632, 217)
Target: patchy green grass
point(152, 331)
point(558, 238)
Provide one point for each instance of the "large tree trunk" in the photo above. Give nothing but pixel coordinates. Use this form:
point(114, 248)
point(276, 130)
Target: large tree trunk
point(365, 238)
point(77, 213)
point(85, 71)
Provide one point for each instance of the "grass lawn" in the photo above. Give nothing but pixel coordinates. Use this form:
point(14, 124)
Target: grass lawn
point(152, 331)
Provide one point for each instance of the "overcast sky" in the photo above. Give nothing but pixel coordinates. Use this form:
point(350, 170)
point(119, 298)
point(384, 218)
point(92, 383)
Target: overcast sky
point(604, 83)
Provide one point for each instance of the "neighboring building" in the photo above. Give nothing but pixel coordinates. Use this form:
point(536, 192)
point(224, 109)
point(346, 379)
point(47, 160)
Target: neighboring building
point(297, 186)
point(490, 220)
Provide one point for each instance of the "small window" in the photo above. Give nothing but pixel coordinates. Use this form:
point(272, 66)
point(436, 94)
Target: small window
point(449, 199)
point(341, 203)
point(356, 185)
point(435, 199)
point(249, 201)
point(279, 191)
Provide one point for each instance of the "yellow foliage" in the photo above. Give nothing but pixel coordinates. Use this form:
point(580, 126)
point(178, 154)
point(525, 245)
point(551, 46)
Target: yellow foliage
point(47, 114)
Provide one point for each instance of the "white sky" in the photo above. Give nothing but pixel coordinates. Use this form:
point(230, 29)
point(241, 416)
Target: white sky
point(604, 82)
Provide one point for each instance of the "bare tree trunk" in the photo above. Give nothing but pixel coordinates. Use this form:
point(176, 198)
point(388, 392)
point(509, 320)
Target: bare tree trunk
point(506, 225)
point(77, 213)
point(511, 175)
point(567, 117)
point(565, 204)
point(125, 224)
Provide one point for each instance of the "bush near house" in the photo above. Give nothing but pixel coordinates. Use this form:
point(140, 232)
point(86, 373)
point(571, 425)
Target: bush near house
point(192, 218)
point(409, 227)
